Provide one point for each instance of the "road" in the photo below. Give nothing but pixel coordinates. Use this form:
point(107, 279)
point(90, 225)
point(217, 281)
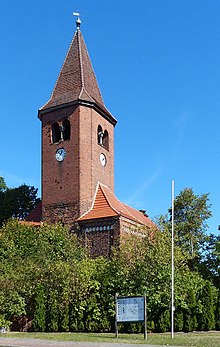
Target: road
point(18, 342)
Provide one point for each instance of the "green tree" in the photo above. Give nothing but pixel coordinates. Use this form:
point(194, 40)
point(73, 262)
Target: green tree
point(217, 312)
point(65, 290)
point(191, 213)
point(178, 320)
point(3, 186)
point(32, 259)
point(143, 265)
point(190, 321)
point(206, 315)
point(211, 259)
point(39, 322)
point(52, 311)
point(64, 308)
point(17, 202)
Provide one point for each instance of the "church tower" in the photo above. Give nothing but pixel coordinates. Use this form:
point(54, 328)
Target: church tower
point(78, 161)
point(77, 139)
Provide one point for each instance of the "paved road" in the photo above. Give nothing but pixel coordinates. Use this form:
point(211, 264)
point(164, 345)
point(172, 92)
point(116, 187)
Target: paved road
point(17, 342)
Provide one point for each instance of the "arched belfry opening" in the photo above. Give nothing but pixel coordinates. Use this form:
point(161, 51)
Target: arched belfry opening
point(60, 132)
point(56, 134)
point(66, 130)
point(100, 135)
point(105, 140)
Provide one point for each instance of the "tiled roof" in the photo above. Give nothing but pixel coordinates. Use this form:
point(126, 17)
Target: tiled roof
point(101, 207)
point(36, 214)
point(77, 80)
point(106, 204)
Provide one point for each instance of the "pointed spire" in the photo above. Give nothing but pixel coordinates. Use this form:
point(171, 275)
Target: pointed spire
point(77, 81)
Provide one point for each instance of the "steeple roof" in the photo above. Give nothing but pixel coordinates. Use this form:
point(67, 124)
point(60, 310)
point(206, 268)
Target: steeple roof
point(77, 80)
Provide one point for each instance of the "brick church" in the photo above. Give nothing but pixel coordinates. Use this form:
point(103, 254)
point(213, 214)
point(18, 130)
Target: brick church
point(78, 159)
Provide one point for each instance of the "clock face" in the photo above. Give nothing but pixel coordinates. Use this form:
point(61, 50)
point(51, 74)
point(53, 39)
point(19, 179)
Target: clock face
point(60, 154)
point(103, 159)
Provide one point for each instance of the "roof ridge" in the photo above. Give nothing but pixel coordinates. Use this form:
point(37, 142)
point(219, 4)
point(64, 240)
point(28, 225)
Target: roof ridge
point(121, 203)
point(135, 210)
point(113, 208)
point(93, 202)
point(80, 62)
point(93, 71)
point(99, 186)
point(85, 91)
point(124, 206)
point(59, 75)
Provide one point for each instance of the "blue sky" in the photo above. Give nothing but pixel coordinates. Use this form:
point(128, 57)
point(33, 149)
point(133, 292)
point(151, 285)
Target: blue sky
point(158, 67)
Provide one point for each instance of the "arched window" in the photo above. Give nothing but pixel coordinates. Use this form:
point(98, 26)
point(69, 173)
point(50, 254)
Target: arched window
point(100, 135)
point(56, 135)
point(105, 140)
point(66, 129)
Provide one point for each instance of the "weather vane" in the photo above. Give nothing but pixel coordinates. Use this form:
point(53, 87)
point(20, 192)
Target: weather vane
point(78, 21)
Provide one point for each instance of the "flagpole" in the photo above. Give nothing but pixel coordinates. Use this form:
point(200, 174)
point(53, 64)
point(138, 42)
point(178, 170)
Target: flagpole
point(172, 267)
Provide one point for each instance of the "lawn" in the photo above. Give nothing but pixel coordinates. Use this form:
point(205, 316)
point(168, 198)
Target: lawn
point(197, 339)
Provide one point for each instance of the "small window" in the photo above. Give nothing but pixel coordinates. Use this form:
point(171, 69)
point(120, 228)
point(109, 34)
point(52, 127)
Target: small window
point(99, 135)
point(66, 129)
point(105, 140)
point(56, 135)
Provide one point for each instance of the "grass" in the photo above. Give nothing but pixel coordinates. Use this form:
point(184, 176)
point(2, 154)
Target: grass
point(196, 339)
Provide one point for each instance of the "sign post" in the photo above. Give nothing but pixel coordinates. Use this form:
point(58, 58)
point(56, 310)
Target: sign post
point(145, 319)
point(130, 309)
point(116, 315)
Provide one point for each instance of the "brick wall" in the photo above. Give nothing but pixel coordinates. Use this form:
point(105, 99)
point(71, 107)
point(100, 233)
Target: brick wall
point(90, 169)
point(68, 187)
point(129, 227)
point(60, 187)
point(99, 237)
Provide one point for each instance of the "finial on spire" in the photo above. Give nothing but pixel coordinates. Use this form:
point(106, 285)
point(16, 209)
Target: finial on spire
point(78, 21)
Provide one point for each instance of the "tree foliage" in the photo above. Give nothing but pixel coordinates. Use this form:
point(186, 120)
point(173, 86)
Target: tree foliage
point(3, 186)
point(39, 322)
point(46, 278)
point(211, 259)
point(191, 213)
point(16, 202)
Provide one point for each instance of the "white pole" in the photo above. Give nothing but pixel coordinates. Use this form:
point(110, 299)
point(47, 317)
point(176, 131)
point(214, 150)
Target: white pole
point(172, 267)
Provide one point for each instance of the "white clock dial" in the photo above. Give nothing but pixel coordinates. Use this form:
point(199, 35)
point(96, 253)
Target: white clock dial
point(60, 154)
point(103, 159)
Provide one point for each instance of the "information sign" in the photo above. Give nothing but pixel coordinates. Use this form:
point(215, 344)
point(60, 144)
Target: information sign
point(130, 309)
